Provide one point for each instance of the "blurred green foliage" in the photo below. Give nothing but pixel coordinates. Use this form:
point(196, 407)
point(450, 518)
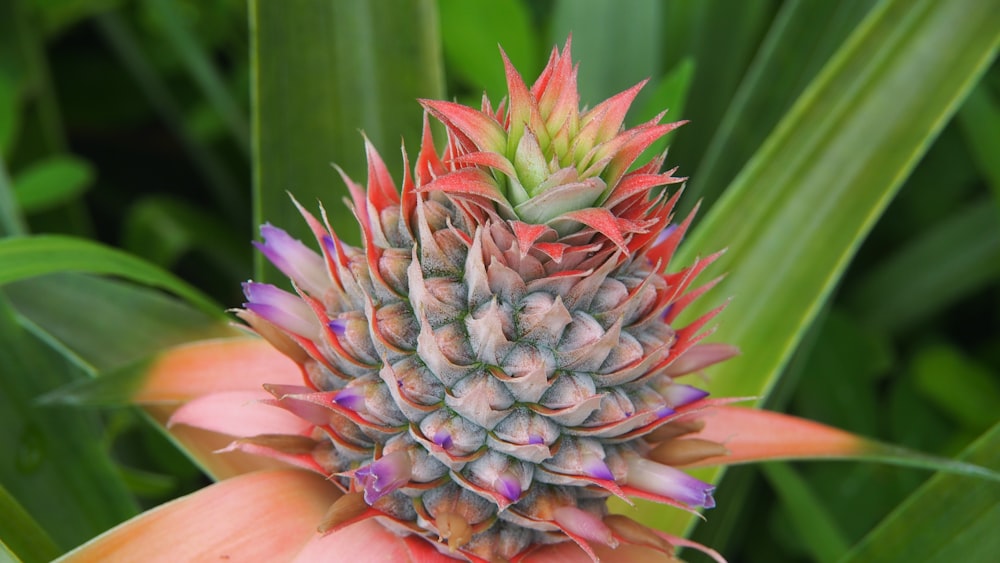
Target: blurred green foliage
point(128, 122)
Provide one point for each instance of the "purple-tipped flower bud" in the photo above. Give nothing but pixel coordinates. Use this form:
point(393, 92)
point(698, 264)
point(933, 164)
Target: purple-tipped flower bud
point(678, 394)
point(596, 468)
point(665, 233)
point(338, 326)
point(384, 475)
point(294, 259)
point(666, 481)
point(508, 485)
point(664, 412)
point(351, 398)
point(281, 308)
point(329, 246)
point(667, 310)
point(443, 438)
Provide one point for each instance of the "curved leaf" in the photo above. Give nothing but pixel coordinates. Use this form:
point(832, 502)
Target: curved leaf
point(322, 71)
point(52, 182)
point(950, 518)
point(758, 435)
point(795, 215)
point(470, 33)
point(21, 534)
point(53, 462)
point(135, 321)
point(25, 257)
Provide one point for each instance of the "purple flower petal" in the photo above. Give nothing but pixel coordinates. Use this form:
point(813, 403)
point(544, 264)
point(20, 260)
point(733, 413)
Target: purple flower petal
point(384, 475)
point(665, 234)
point(306, 268)
point(664, 412)
point(508, 485)
point(678, 394)
point(669, 482)
point(596, 468)
point(281, 308)
point(338, 326)
point(351, 398)
point(443, 439)
point(667, 310)
point(329, 245)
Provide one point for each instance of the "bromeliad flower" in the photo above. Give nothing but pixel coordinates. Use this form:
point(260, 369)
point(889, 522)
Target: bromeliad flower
point(498, 359)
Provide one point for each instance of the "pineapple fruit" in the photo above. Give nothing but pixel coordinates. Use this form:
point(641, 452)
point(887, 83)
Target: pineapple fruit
point(500, 356)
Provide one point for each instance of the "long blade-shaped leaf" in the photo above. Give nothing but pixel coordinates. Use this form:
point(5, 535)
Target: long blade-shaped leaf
point(618, 43)
point(11, 221)
point(322, 71)
point(824, 540)
point(902, 291)
point(25, 257)
point(794, 217)
point(53, 461)
point(802, 38)
point(125, 45)
point(21, 534)
point(951, 518)
point(134, 322)
point(720, 37)
point(202, 71)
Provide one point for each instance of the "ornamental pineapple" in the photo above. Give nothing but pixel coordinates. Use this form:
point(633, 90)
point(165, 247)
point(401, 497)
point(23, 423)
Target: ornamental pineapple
point(499, 357)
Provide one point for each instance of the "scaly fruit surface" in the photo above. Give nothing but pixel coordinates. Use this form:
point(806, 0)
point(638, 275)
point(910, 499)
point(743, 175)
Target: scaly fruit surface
point(500, 356)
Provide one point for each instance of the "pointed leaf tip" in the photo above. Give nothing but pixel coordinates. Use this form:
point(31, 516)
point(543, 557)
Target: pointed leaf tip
point(757, 435)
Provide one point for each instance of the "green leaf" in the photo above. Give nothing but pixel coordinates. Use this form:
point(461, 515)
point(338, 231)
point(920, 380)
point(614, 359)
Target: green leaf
point(10, 113)
point(201, 69)
point(25, 257)
point(617, 43)
point(21, 534)
point(7, 555)
point(164, 229)
point(980, 121)
point(950, 518)
point(844, 358)
point(795, 215)
point(111, 388)
point(322, 71)
point(11, 220)
point(135, 322)
point(721, 37)
point(669, 93)
point(57, 16)
point(815, 188)
point(52, 182)
point(961, 387)
point(147, 483)
point(23, 61)
point(470, 33)
point(813, 524)
point(801, 39)
point(223, 186)
point(53, 462)
point(902, 290)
